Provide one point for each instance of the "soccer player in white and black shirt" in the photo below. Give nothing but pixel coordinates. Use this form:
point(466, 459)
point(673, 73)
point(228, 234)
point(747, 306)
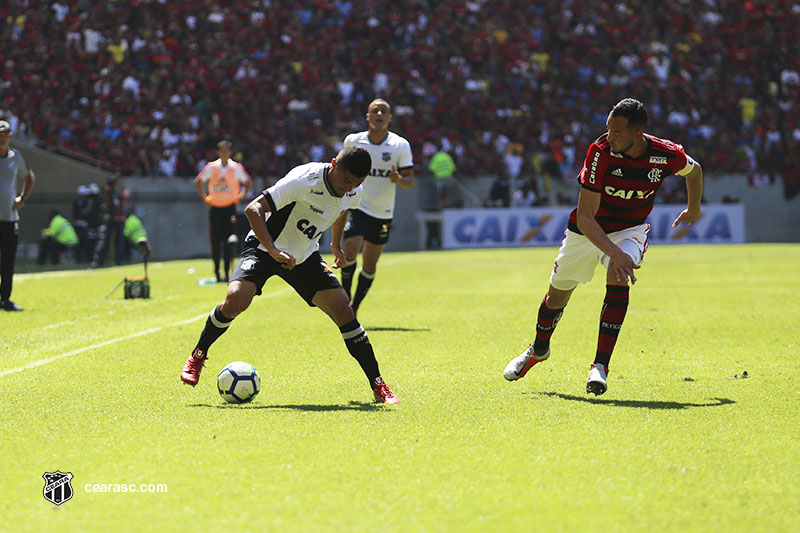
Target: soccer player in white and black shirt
point(623, 170)
point(371, 223)
point(287, 222)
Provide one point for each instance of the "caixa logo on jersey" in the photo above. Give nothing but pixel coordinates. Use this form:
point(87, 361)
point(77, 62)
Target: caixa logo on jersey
point(57, 487)
point(308, 229)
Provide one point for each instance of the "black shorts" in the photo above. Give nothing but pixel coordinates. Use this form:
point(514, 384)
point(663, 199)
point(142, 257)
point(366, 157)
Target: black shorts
point(222, 221)
point(306, 278)
point(374, 230)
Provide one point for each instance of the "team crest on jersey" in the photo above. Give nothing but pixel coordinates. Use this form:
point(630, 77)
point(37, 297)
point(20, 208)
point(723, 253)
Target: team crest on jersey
point(248, 264)
point(658, 160)
point(655, 174)
point(386, 156)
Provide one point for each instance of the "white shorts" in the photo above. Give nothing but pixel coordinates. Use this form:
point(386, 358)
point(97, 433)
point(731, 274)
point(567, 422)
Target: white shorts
point(578, 256)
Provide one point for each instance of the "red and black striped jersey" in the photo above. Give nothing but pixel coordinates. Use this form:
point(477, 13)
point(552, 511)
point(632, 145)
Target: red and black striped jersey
point(627, 185)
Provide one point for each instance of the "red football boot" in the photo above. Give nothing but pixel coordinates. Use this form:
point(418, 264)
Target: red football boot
point(194, 365)
point(382, 392)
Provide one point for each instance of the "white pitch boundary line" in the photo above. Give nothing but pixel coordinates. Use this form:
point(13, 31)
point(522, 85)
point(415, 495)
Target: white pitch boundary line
point(114, 341)
point(98, 345)
point(41, 362)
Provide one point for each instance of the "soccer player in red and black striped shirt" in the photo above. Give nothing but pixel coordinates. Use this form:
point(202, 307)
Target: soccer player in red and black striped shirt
point(622, 172)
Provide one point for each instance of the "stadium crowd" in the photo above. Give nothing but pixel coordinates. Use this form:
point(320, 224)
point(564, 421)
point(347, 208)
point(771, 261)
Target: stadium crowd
point(505, 86)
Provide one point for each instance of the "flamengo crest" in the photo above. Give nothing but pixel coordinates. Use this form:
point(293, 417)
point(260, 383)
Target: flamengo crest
point(655, 174)
point(57, 487)
point(386, 156)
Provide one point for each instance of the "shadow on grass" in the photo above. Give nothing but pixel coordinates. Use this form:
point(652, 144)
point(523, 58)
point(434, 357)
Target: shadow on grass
point(389, 328)
point(639, 403)
point(352, 406)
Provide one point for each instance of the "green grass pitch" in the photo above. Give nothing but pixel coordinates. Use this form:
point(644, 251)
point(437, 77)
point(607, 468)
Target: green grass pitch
point(680, 442)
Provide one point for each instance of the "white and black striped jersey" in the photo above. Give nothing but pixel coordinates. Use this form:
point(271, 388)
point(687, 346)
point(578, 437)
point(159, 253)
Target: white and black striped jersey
point(379, 191)
point(303, 205)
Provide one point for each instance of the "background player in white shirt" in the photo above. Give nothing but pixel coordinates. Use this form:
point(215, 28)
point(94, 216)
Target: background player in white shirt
point(288, 220)
point(371, 223)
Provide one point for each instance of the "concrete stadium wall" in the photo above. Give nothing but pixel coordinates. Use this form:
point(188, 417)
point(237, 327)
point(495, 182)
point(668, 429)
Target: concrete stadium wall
point(173, 214)
point(177, 220)
point(57, 180)
point(769, 217)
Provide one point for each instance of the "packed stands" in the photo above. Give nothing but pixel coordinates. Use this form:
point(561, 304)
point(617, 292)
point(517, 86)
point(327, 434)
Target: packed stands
point(150, 86)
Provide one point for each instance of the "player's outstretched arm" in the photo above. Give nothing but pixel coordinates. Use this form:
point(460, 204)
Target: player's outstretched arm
point(198, 184)
point(694, 195)
point(256, 212)
point(27, 187)
point(621, 266)
point(403, 178)
point(337, 230)
point(247, 184)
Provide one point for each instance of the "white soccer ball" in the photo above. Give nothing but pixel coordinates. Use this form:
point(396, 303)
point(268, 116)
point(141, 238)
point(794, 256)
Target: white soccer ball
point(238, 382)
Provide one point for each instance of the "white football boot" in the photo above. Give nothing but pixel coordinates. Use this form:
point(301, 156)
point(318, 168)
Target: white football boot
point(596, 382)
point(520, 365)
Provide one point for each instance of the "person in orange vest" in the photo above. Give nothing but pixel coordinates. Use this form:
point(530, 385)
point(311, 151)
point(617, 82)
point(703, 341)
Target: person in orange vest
point(227, 182)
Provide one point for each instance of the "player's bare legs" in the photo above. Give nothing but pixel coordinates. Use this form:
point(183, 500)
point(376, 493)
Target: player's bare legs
point(335, 304)
point(556, 298)
point(550, 311)
point(352, 245)
point(237, 299)
point(369, 257)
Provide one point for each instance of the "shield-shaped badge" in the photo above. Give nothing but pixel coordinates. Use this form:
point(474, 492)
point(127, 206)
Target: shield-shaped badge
point(57, 487)
point(386, 156)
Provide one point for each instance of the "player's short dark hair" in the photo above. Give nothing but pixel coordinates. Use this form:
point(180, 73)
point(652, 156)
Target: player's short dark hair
point(633, 110)
point(381, 100)
point(355, 160)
